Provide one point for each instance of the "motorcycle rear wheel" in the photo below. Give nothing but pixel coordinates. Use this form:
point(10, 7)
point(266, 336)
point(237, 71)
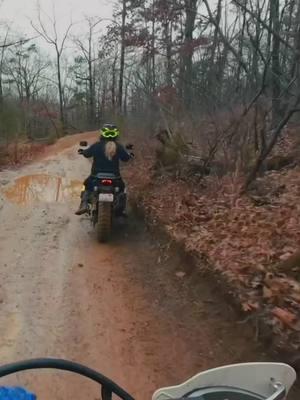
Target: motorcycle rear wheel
point(104, 224)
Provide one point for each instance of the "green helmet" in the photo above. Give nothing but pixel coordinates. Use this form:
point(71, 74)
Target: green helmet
point(109, 131)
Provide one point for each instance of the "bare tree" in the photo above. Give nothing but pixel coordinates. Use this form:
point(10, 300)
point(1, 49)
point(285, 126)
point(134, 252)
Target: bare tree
point(190, 7)
point(296, 61)
point(122, 54)
point(25, 66)
point(223, 38)
point(3, 48)
point(59, 46)
point(276, 69)
point(87, 50)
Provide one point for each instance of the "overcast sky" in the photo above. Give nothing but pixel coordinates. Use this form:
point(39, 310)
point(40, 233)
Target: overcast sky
point(19, 12)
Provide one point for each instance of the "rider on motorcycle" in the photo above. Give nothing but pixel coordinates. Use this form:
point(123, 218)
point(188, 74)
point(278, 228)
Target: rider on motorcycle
point(106, 154)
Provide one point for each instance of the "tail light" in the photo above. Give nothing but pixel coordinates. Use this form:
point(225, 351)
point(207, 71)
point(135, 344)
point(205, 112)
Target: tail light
point(106, 182)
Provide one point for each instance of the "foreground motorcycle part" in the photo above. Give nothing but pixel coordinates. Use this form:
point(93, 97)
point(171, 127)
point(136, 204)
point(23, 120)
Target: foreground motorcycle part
point(104, 224)
point(108, 386)
point(250, 381)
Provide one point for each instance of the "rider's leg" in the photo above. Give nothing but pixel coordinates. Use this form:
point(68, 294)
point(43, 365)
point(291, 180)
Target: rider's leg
point(122, 200)
point(84, 203)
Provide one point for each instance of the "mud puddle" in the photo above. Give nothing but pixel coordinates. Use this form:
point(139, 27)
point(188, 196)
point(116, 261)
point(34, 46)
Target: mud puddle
point(44, 188)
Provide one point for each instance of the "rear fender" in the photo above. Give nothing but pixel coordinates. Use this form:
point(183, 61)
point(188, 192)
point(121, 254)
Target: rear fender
point(253, 377)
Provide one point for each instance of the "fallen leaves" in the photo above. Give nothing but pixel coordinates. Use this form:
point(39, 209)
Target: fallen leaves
point(241, 241)
point(267, 293)
point(180, 274)
point(286, 317)
point(248, 307)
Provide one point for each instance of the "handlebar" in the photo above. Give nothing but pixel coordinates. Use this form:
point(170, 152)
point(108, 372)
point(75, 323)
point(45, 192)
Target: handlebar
point(108, 387)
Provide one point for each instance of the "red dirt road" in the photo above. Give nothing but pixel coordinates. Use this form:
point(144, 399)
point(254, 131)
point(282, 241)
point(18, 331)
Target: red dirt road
point(120, 308)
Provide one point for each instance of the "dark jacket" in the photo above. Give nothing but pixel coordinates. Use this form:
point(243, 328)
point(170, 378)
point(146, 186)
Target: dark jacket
point(101, 163)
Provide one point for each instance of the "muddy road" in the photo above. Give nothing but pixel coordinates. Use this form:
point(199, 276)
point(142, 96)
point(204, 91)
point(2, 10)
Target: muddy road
point(124, 308)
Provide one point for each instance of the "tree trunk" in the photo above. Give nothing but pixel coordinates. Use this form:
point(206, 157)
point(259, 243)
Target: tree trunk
point(122, 58)
point(264, 153)
point(1, 68)
point(60, 92)
point(295, 70)
point(1, 85)
point(1, 91)
point(91, 85)
point(289, 29)
point(211, 72)
point(188, 50)
point(255, 57)
point(91, 95)
point(168, 44)
point(297, 48)
point(126, 99)
point(276, 72)
point(113, 85)
point(241, 46)
point(153, 55)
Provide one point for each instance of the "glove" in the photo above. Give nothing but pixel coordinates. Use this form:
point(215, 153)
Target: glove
point(132, 155)
point(80, 151)
point(129, 146)
point(11, 393)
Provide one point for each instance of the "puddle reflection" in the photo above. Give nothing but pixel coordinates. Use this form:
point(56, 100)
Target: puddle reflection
point(43, 188)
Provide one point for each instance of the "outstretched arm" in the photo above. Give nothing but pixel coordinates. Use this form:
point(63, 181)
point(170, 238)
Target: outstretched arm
point(123, 154)
point(90, 152)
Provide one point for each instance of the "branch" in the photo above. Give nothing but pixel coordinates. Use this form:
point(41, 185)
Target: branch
point(224, 39)
point(255, 44)
point(42, 32)
point(82, 48)
point(250, 105)
point(23, 41)
point(265, 152)
point(82, 78)
point(263, 23)
point(65, 38)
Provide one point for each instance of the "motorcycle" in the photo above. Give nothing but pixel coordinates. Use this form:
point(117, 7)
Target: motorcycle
point(106, 201)
point(249, 381)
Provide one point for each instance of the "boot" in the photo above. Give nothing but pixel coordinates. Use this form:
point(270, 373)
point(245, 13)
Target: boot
point(121, 211)
point(84, 204)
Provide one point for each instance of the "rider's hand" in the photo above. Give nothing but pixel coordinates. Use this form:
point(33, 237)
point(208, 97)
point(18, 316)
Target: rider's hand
point(129, 146)
point(80, 151)
point(132, 155)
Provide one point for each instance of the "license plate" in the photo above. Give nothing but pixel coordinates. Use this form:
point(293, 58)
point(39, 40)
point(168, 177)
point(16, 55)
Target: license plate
point(106, 197)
